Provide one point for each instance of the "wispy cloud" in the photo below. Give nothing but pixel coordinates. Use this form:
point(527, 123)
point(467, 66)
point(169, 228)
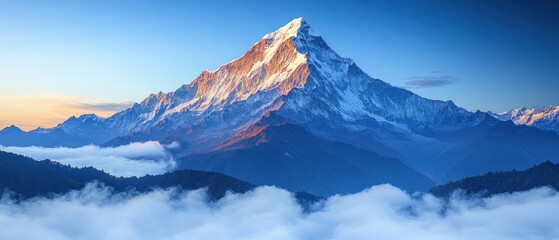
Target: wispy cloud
point(47, 110)
point(434, 79)
point(381, 212)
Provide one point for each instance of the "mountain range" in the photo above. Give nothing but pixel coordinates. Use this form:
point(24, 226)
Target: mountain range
point(293, 113)
point(546, 118)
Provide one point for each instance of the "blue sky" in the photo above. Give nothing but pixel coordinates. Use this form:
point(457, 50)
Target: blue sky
point(488, 55)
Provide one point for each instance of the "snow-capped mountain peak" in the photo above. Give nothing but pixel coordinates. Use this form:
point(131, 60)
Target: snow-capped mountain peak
point(296, 27)
point(292, 72)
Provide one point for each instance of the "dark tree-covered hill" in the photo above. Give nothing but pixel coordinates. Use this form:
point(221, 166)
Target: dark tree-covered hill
point(543, 174)
point(28, 178)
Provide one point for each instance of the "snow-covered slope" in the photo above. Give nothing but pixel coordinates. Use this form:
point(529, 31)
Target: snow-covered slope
point(546, 118)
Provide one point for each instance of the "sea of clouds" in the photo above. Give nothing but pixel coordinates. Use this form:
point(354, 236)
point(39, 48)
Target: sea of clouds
point(134, 159)
point(380, 212)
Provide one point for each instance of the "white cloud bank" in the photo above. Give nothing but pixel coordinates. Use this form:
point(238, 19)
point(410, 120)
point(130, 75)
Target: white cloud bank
point(381, 212)
point(134, 159)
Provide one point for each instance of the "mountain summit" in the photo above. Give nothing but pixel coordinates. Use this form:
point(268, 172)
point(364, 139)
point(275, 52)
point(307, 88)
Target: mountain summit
point(290, 85)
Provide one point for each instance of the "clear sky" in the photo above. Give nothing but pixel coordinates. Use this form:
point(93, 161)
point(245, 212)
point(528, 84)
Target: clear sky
point(60, 58)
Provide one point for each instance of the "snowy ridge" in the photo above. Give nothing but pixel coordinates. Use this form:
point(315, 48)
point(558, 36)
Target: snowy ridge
point(546, 118)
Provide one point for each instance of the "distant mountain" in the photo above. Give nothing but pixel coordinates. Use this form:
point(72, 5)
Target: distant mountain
point(546, 118)
point(30, 178)
point(74, 132)
point(543, 174)
point(291, 77)
point(13, 136)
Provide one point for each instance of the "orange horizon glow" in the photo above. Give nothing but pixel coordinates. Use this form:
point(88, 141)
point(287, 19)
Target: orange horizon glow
point(29, 112)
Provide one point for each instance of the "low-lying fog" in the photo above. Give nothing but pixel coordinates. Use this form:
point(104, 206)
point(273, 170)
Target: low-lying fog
point(380, 212)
